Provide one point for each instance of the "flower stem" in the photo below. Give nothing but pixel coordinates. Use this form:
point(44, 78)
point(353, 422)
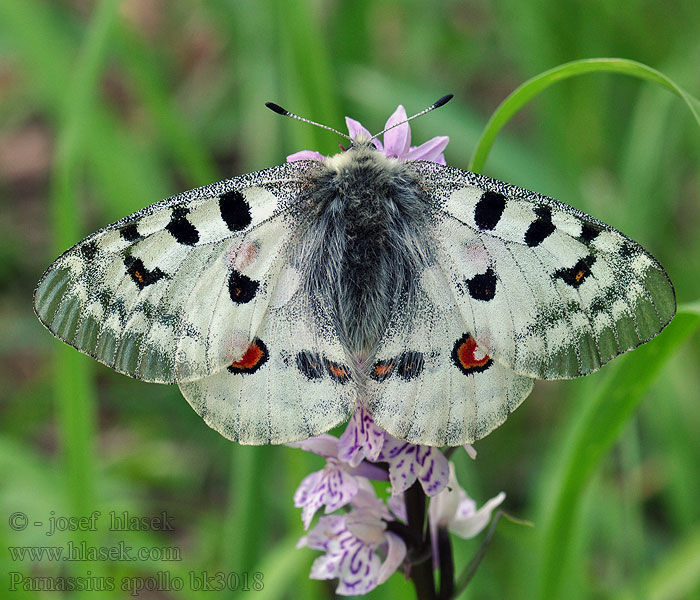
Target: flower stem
point(447, 566)
point(422, 570)
point(470, 570)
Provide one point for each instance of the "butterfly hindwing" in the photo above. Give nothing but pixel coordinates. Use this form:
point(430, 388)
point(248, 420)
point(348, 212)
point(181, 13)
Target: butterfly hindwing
point(176, 290)
point(431, 383)
point(294, 381)
point(545, 289)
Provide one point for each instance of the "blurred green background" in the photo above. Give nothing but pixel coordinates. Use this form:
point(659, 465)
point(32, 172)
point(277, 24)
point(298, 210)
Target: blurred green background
point(108, 107)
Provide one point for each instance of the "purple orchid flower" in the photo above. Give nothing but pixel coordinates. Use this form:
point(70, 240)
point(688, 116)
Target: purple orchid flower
point(354, 544)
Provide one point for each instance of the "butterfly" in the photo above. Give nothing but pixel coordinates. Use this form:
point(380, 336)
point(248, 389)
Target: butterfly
point(281, 299)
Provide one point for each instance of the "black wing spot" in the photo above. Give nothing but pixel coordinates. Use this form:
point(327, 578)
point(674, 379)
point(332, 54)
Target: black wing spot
point(338, 372)
point(89, 250)
point(489, 209)
point(140, 274)
point(576, 275)
point(130, 232)
point(541, 228)
point(310, 365)
point(627, 250)
point(235, 211)
point(589, 233)
point(382, 370)
point(181, 229)
point(410, 365)
point(241, 288)
point(483, 286)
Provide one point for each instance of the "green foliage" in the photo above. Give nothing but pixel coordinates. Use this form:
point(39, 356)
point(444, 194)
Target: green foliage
point(140, 100)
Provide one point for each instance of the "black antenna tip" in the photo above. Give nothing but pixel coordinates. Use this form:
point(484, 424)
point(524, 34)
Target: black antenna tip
point(444, 100)
point(277, 108)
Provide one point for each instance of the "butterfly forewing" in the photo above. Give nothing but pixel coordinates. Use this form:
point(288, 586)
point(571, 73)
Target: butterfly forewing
point(545, 289)
point(176, 290)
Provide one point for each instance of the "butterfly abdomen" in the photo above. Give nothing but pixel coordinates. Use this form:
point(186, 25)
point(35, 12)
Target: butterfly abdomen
point(363, 228)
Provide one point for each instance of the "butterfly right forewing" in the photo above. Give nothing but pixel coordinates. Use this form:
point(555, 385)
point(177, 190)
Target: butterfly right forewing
point(176, 290)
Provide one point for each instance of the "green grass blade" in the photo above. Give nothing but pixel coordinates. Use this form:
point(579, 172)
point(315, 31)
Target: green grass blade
point(179, 140)
point(74, 384)
point(73, 380)
point(528, 90)
point(677, 575)
point(603, 420)
point(312, 92)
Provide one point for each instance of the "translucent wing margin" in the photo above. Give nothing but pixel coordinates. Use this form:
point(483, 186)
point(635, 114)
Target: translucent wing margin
point(544, 288)
point(177, 290)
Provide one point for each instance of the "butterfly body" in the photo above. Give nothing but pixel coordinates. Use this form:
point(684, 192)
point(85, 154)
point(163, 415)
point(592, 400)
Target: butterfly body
point(362, 240)
point(281, 299)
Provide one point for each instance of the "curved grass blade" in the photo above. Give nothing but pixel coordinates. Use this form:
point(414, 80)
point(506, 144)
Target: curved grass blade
point(603, 420)
point(528, 90)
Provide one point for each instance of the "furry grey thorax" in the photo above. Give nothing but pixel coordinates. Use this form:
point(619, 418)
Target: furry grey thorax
point(362, 226)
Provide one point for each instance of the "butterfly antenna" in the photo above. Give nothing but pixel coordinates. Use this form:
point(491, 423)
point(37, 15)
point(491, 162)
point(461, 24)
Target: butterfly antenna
point(437, 104)
point(281, 111)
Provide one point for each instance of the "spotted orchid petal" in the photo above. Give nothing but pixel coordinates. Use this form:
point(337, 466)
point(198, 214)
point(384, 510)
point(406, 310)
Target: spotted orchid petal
point(397, 141)
point(396, 552)
point(431, 150)
point(333, 487)
point(408, 462)
point(453, 509)
point(468, 521)
point(362, 439)
point(353, 544)
point(354, 563)
point(323, 445)
point(397, 505)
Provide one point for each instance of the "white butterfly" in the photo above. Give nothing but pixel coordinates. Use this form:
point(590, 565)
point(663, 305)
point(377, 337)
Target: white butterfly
point(280, 299)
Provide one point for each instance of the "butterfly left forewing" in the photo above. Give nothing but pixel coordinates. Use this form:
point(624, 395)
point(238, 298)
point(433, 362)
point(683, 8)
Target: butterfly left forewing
point(547, 290)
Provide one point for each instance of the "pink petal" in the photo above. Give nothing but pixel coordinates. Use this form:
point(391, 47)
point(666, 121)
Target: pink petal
point(305, 155)
point(471, 451)
point(430, 150)
point(397, 142)
point(323, 445)
point(355, 129)
point(396, 552)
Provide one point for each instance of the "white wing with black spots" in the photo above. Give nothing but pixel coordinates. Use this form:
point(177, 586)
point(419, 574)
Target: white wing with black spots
point(177, 290)
point(431, 383)
point(293, 382)
point(545, 289)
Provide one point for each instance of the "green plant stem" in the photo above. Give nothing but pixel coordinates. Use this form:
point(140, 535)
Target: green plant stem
point(470, 570)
